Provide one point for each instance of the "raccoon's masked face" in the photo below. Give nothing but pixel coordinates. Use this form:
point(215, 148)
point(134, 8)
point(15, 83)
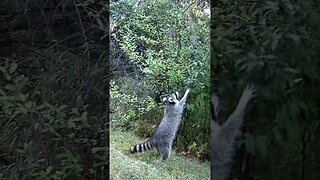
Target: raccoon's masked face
point(172, 99)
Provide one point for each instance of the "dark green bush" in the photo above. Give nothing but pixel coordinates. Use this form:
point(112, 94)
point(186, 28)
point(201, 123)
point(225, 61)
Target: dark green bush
point(275, 45)
point(45, 141)
point(168, 43)
point(131, 111)
point(53, 89)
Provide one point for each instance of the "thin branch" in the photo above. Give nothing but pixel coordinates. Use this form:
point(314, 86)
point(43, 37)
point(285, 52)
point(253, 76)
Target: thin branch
point(188, 7)
point(82, 29)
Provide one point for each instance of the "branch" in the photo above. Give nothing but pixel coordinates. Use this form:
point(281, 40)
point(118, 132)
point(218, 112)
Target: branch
point(82, 29)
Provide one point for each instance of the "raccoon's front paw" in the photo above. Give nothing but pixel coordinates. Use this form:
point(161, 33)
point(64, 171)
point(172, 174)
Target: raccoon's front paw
point(188, 90)
point(250, 91)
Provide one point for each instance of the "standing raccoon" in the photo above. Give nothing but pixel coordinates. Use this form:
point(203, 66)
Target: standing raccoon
point(166, 132)
point(224, 137)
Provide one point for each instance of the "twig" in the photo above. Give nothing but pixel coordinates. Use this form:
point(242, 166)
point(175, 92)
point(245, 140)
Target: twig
point(82, 29)
point(188, 7)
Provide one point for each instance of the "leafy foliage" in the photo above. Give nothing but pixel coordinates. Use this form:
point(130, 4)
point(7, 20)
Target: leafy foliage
point(53, 90)
point(27, 126)
point(273, 44)
point(130, 112)
point(168, 42)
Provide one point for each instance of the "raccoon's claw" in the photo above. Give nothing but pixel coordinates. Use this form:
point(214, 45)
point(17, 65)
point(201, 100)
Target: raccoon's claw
point(250, 90)
point(215, 106)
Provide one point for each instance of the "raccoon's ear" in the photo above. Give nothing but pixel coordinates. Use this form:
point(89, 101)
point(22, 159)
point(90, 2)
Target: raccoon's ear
point(177, 95)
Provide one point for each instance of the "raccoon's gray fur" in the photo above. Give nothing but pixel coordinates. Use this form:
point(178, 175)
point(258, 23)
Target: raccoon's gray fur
point(223, 137)
point(166, 132)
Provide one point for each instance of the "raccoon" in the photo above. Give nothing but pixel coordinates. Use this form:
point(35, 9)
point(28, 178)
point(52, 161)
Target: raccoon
point(166, 132)
point(224, 136)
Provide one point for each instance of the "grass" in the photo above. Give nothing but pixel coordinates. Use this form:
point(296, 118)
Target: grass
point(149, 165)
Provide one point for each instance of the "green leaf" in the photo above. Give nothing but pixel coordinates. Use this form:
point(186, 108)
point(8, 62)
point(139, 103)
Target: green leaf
point(79, 101)
point(49, 169)
point(291, 70)
point(5, 73)
point(147, 70)
point(297, 80)
point(274, 44)
point(190, 107)
point(295, 38)
point(10, 87)
point(20, 82)
point(13, 68)
point(303, 105)
point(71, 123)
point(97, 149)
point(28, 105)
point(84, 119)
point(272, 5)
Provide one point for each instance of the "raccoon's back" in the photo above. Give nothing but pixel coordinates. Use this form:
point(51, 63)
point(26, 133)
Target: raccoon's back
point(164, 135)
point(169, 125)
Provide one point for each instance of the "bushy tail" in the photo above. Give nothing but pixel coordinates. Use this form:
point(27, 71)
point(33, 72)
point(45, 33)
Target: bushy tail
point(143, 147)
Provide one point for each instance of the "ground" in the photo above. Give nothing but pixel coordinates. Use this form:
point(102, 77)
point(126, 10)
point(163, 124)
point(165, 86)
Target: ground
point(124, 165)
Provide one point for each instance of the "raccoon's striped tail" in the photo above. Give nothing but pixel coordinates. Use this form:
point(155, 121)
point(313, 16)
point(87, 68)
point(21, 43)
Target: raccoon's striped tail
point(143, 147)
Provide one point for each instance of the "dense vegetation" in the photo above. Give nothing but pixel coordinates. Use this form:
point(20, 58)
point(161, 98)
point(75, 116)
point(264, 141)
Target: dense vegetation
point(157, 48)
point(54, 71)
point(53, 89)
point(275, 45)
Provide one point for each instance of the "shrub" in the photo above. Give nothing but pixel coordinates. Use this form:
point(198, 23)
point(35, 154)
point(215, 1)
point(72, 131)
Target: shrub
point(273, 44)
point(43, 140)
point(168, 42)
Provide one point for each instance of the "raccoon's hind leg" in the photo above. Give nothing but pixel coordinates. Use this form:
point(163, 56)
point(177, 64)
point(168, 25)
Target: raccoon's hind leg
point(164, 151)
